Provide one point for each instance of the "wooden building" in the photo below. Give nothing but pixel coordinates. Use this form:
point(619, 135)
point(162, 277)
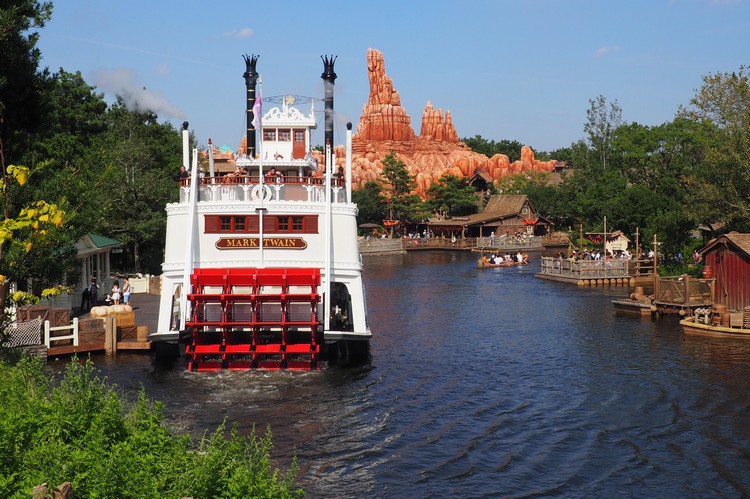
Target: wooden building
point(503, 215)
point(727, 259)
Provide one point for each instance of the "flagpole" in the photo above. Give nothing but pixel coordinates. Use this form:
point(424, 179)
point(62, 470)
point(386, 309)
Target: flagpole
point(184, 303)
point(329, 240)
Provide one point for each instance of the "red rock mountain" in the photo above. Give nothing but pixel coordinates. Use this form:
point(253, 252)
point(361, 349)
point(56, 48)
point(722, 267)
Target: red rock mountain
point(385, 126)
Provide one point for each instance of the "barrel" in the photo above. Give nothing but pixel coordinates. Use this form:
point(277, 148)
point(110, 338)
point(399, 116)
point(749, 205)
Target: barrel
point(722, 311)
point(708, 272)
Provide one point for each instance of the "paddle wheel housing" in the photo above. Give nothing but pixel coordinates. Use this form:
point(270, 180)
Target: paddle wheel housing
point(254, 318)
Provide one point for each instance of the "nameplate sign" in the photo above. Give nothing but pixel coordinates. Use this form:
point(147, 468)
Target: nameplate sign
point(254, 242)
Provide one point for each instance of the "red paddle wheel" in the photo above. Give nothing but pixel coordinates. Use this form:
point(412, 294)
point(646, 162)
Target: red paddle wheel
point(254, 319)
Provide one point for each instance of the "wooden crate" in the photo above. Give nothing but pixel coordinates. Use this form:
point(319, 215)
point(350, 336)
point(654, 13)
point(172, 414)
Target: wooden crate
point(736, 319)
point(56, 316)
point(90, 331)
point(125, 318)
point(127, 333)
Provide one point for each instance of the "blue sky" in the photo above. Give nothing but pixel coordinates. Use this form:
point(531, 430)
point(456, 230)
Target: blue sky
point(515, 70)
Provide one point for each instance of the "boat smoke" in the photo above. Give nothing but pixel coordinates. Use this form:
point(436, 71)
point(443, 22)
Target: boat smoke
point(124, 83)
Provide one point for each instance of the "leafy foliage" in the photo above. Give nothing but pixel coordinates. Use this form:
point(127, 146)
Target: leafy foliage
point(451, 195)
point(80, 430)
point(398, 187)
point(510, 148)
point(20, 86)
point(371, 204)
point(720, 187)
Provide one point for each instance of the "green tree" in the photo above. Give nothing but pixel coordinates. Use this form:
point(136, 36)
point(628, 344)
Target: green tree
point(137, 155)
point(720, 187)
point(452, 195)
point(601, 123)
point(398, 190)
point(74, 113)
point(20, 85)
point(511, 148)
point(370, 202)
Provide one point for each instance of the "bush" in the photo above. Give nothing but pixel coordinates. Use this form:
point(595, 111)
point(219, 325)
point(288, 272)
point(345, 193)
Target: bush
point(80, 430)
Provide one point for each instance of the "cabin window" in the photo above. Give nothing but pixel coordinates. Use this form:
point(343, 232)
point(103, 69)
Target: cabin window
point(299, 135)
point(269, 135)
point(285, 135)
point(234, 223)
point(291, 224)
point(272, 224)
point(525, 210)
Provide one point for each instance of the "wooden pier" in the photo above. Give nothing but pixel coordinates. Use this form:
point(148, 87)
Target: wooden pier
point(615, 272)
point(48, 331)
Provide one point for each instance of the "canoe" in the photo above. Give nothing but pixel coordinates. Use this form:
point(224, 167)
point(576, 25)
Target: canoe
point(486, 265)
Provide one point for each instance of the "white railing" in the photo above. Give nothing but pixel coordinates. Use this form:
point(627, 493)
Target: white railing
point(246, 188)
point(48, 338)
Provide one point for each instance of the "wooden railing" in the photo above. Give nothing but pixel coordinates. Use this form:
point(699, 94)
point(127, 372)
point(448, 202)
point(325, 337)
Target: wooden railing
point(684, 291)
point(584, 269)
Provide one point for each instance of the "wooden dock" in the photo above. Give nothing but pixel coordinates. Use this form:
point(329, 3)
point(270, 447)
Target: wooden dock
point(613, 272)
point(48, 331)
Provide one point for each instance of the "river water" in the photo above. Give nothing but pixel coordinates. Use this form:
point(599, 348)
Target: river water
point(490, 383)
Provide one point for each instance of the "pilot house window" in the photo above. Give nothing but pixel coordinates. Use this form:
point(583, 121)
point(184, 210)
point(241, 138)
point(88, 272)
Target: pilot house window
point(269, 134)
point(285, 135)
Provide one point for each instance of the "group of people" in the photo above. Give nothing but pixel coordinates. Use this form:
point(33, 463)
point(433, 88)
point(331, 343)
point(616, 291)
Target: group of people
point(274, 176)
point(115, 297)
point(596, 255)
point(271, 176)
point(120, 294)
point(509, 258)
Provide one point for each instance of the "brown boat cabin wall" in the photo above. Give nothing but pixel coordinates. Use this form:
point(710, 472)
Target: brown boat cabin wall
point(727, 259)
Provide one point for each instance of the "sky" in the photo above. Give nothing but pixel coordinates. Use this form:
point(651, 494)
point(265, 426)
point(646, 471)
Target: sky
point(521, 70)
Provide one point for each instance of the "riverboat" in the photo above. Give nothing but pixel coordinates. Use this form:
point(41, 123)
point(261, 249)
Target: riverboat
point(261, 267)
point(691, 327)
point(717, 322)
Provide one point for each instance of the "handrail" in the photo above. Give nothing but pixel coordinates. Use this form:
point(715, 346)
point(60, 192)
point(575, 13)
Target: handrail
point(48, 338)
point(230, 179)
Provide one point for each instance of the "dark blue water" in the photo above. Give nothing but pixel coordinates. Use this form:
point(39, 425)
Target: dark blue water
point(491, 383)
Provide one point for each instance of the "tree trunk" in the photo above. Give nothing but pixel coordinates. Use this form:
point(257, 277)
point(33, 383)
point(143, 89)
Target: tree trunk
point(137, 256)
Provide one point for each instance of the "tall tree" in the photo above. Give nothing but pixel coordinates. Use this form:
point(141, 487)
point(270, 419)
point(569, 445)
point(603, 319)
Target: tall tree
point(398, 190)
point(20, 84)
point(370, 203)
point(452, 195)
point(132, 167)
point(721, 187)
point(601, 123)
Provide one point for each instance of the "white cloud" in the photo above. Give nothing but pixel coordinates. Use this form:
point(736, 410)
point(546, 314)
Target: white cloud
point(603, 51)
point(124, 82)
point(239, 33)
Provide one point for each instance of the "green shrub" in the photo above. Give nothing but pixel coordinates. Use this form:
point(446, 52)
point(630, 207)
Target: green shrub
point(80, 430)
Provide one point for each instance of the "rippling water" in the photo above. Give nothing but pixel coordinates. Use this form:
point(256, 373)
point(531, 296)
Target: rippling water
point(490, 383)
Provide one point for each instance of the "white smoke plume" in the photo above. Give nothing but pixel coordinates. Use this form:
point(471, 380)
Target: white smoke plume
point(124, 82)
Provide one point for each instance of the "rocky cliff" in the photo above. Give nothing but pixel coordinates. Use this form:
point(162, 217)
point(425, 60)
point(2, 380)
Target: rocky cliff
point(385, 126)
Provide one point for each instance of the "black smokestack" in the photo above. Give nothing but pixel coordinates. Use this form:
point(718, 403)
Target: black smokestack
point(251, 79)
point(329, 78)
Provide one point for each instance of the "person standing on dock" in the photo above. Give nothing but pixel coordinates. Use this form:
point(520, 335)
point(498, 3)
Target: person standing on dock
point(126, 291)
point(93, 289)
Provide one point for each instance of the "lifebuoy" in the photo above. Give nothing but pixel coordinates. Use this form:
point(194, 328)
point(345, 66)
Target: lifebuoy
point(256, 193)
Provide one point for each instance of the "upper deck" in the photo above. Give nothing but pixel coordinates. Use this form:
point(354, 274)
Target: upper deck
point(247, 188)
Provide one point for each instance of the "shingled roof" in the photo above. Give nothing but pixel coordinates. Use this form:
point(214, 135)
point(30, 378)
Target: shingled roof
point(740, 241)
point(500, 206)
